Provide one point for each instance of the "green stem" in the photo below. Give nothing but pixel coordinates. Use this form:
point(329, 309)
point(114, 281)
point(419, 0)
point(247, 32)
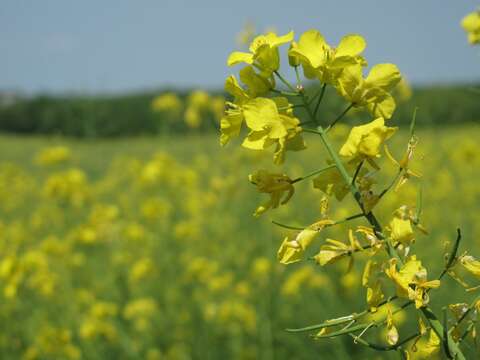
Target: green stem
point(341, 320)
point(312, 174)
point(286, 82)
point(297, 74)
point(357, 171)
point(339, 117)
point(395, 179)
point(386, 348)
point(452, 256)
point(322, 92)
point(291, 227)
point(465, 314)
point(284, 93)
point(427, 312)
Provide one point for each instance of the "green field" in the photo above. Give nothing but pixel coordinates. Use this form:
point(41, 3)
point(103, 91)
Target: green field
point(146, 248)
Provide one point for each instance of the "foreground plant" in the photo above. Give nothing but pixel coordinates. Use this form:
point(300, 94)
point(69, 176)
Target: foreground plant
point(394, 277)
point(471, 25)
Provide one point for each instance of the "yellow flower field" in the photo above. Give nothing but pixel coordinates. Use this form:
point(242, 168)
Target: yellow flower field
point(147, 248)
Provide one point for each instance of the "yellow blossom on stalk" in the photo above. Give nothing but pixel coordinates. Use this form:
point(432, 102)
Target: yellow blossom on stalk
point(256, 84)
point(335, 250)
point(292, 248)
point(471, 25)
point(401, 228)
point(231, 122)
point(372, 283)
point(271, 122)
point(411, 281)
point(426, 348)
point(364, 141)
point(263, 53)
point(373, 92)
point(320, 60)
point(392, 332)
point(168, 102)
point(279, 186)
point(471, 264)
point(331, 182)
point(403, 164)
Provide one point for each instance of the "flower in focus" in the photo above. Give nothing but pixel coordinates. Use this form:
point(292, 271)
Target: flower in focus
point(471, 25)
point(403, 164)
point(373, 92)
point(364, 141)
point(335, 250)
point(320, 60)
point(471, 264)
point(292, 248)
point(411, 281)
point(372, 283)
point(401, 229)
point(279, 186)
point(271, 122)
point(263, 53)
point(231, 122)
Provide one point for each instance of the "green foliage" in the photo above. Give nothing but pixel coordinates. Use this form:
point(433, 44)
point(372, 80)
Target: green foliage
point(124, 115)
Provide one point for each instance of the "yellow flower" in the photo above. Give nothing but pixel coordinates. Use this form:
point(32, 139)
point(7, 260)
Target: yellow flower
point(231, 122)
point(372, 92)
point(411, 281)
point(272, 123)
point(471, 25)
point(401, 227)
point(263, 53)
point(292, 248)
point(372, 283)
point(470, 264)
point(335, 250)
point(321, 61)
point(426, 348)
point(403, 164)
point(392, 332)
point(332, 252)
point(364, 141)
point(277, 185)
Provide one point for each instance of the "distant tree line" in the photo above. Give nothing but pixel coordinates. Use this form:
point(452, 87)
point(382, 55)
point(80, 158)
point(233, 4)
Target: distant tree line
point(124, 115)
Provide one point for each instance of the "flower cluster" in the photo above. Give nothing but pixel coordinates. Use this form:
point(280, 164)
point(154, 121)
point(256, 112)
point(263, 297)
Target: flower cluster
point(276, 113)
point(471, 25)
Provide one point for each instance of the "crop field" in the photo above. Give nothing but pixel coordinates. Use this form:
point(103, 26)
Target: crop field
point(146, 248)
point(175, 185)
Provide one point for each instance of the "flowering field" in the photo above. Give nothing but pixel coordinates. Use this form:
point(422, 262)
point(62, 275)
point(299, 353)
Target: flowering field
point(147, 248)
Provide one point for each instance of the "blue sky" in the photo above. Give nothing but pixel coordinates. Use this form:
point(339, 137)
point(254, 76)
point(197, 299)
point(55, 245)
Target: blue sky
point(104, 45)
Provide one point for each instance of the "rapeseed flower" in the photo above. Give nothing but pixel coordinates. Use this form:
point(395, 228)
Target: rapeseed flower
point(373, 92)
point(364, 141)
point(471, 25)
point(320, 60)
point(263, 53)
